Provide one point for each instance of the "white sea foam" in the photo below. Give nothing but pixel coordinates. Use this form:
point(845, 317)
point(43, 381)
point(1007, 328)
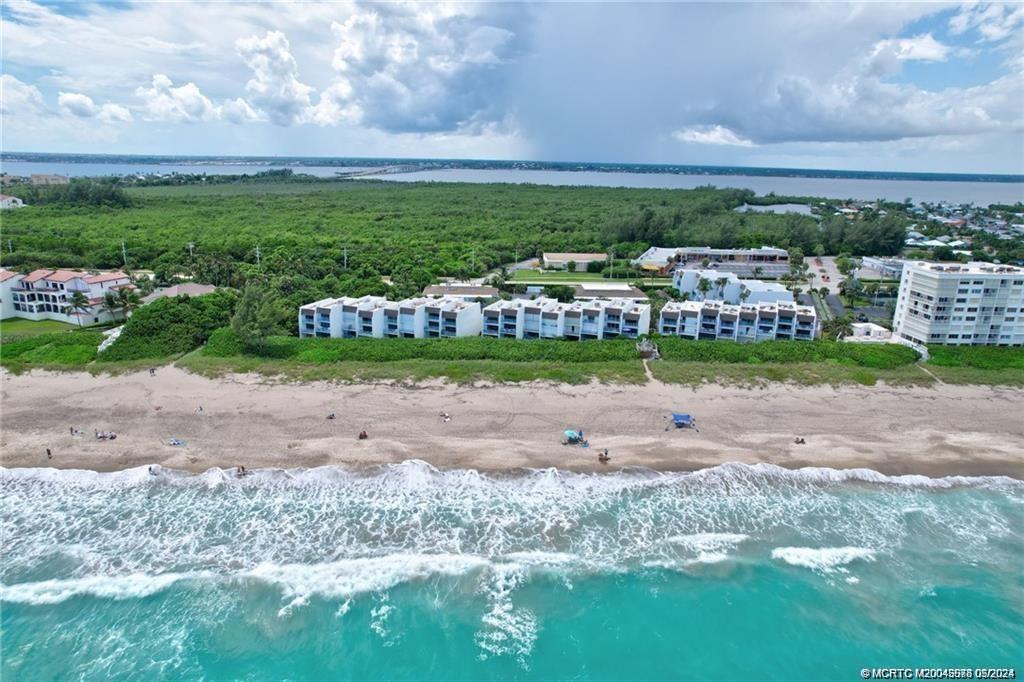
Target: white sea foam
point(351, 577)
point(135, 586)
point(822, 559)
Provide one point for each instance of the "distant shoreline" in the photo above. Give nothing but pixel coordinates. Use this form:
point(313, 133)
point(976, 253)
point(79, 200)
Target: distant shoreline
point(299, 162)
point(942, 431)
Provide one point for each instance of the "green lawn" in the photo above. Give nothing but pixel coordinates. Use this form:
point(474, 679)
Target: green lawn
point(56, 351)
point(15, 326)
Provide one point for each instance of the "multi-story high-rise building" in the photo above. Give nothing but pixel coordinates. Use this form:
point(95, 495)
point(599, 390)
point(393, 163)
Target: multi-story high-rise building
point(711, 320)
point(978, 304)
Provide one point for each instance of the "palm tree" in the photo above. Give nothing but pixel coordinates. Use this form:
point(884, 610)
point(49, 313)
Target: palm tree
point(871, 288)
point(744, 295)
point(129, 300)
point(77, 303)
point(111, 303)
point(837, 327)
point(704, 286)
point(758, 270)
point(721, 282)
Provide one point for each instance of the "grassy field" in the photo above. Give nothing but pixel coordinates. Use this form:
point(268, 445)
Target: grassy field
point(820, 362)
point(54, 351)
point(977, 365)
point(461, 371)
point(14, 326)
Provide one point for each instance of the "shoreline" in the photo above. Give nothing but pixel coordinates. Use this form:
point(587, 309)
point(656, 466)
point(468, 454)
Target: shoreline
point(936, 432)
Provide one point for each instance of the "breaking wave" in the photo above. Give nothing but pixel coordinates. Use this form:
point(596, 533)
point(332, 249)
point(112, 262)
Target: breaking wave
point(345, 534)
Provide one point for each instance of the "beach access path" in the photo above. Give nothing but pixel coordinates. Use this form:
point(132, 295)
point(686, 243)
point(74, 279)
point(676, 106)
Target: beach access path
point(247, 420)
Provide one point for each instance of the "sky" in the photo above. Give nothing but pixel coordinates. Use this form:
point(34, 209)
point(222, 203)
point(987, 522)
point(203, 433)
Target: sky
point(873, 86)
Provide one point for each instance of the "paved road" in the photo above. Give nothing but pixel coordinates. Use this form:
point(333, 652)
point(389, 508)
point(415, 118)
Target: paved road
point(828, 263)
point(835, 305)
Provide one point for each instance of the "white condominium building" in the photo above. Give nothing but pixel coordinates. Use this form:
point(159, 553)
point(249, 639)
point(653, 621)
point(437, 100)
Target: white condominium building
point(376, 317)
point(425, 317)
point(745, 322)
point(549, 319)
point(46, 295)
point(976, 304)
point(506, 319)
point(343, 317)
point(726, 286)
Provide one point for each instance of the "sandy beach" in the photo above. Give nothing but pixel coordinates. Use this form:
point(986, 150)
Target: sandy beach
point(947, 430)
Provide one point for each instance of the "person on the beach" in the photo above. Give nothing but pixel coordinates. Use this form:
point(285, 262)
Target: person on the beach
point(49, 455)
point(152, 371)
point(603, 457)
point(199, 410)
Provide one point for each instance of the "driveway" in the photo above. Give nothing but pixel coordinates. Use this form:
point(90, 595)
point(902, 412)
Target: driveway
point(828, 263)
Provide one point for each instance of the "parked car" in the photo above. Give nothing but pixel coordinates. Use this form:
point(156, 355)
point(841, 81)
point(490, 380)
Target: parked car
point(862, 317)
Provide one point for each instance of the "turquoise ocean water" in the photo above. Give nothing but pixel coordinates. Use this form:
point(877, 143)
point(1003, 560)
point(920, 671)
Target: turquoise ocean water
point(406, 572)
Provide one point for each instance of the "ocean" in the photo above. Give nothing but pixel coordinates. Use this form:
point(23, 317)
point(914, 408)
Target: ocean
point(408, 572)
point(955, 188)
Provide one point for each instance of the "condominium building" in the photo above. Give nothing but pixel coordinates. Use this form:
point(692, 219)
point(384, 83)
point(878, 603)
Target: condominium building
point(579, 320)
point(376, 317)
point(606, 319)
point(727, 287)
point(425, 317)
point(978, 304)
point(745, 322)
point(767, 260)
point(505, 319)
point(343, 317)
point(47, 294)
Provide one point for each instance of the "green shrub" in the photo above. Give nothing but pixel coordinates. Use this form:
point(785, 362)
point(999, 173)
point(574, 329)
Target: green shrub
point(170, 326)
point(223, 343)
point(978, 357)
point(60, 349)
point(878, 356)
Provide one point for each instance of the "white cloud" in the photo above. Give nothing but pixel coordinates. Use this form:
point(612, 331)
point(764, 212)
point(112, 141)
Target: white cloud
point(20, 100)
point(239, 111)
point(184, 104)
point(336, 106)
point(115, 113)
point(274, 87)
point(922, 48)
point(714, 134)
point(425, 67)
point(82, 106)
point(77, 104)
point(994, 21)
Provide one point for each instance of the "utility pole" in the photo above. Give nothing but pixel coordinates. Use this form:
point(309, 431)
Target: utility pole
point(9, 247)
point(257, 255)
point(124, 253)
point(190, 247)
point(345, 257)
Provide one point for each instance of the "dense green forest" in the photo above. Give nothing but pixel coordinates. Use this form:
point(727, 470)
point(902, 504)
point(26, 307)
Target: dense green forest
point(326, 238)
